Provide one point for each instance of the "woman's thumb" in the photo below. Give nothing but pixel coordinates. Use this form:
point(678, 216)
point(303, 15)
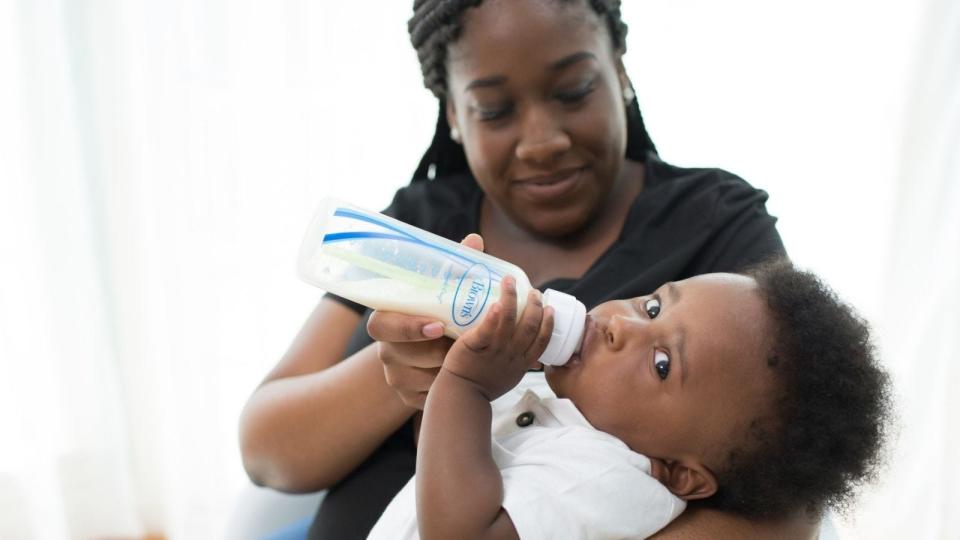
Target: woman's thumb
point(473, 241)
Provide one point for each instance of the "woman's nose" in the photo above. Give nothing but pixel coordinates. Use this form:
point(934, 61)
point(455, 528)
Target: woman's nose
point(542, 138)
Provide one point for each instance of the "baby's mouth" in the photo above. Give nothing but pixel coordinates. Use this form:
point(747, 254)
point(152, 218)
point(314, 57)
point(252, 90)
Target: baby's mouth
point(577, 357)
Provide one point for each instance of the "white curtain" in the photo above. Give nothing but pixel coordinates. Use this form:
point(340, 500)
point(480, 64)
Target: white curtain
point(159, 160)
point(64, 459)
point(920, 324)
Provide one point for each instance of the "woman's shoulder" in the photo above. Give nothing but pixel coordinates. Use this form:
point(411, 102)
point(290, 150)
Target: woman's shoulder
point(694, 194)
point(661, 175)
point(713, 216)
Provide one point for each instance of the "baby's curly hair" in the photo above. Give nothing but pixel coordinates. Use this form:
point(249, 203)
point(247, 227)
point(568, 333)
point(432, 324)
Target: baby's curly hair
point(825, 434)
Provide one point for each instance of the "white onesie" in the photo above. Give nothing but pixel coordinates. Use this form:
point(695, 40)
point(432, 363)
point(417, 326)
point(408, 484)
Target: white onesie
point(562, 478)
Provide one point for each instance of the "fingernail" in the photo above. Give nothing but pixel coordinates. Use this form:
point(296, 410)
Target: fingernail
point(433, 330)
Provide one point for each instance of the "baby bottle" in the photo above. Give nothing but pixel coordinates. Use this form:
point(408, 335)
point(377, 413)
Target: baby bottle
point(385, 264)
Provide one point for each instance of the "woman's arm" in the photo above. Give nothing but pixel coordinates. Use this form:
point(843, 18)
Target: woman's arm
point(707, 524)
point(315, 418)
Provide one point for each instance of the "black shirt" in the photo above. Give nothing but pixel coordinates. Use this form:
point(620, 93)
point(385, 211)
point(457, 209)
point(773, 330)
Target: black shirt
point(684, 222)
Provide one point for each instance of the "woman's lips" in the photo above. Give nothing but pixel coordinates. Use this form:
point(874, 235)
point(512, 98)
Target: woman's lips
point(552, 185)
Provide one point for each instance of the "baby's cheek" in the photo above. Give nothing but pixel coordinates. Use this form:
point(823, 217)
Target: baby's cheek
point(555, 380)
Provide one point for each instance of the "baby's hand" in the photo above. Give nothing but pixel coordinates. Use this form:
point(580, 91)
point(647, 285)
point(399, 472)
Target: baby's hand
point(495, 355)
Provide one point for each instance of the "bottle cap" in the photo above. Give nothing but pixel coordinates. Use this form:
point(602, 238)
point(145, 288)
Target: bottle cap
point(568, 323)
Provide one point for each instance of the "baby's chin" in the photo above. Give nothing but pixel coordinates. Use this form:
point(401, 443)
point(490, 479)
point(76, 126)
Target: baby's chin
point(555, 377)
point(563, 378)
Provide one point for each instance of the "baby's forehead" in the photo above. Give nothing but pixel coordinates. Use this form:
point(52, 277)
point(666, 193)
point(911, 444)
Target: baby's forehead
point(721, 280)
point(722, 313)
point(715, 286)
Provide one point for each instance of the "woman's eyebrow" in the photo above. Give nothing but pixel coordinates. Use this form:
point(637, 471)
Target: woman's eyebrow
point(568, 61)
point(486, 82)
point(565, 62)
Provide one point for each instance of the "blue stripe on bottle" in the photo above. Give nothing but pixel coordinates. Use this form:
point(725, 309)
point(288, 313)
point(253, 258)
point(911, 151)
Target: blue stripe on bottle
point(404, 236)
point(347, 213)
point(343, 236)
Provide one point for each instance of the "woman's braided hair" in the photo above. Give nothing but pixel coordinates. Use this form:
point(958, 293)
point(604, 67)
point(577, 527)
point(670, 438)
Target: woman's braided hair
point(437, 23)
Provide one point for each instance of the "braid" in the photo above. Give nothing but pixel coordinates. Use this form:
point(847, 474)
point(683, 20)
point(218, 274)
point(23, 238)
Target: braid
point(609, 10)
point(437, 23)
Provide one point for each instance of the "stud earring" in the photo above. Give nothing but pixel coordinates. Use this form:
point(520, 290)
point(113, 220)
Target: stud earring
point(455, 135)
point(628, 95)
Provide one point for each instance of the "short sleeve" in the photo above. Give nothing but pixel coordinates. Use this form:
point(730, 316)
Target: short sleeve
point(744, 232)
point(359, 309)
point(578, 486)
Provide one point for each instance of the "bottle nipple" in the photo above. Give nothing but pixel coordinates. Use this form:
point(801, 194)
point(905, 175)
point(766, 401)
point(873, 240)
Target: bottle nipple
point(568, 325)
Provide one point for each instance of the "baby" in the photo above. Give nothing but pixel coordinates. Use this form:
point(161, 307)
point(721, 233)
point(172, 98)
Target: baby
point(757, 394)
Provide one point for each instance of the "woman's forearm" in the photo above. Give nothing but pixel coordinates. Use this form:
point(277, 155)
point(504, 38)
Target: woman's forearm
point(708, 524)
point(306, 432)
point(459, 487)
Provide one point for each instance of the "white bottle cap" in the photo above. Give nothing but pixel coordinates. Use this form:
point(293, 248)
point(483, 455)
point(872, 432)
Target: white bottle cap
point(569, 318)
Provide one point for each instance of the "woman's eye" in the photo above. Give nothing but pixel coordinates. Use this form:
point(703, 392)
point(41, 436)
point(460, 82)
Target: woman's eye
point(491, 114)
point(661, 363)
point(575, 95)
point(652, 307)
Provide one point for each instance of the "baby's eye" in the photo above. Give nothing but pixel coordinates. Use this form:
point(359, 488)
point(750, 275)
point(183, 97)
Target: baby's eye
point(661, 363)
point(652, 307)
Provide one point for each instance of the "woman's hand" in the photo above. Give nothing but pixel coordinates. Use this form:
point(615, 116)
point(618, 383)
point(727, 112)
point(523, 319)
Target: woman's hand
point(495, 355)
point(412, 348)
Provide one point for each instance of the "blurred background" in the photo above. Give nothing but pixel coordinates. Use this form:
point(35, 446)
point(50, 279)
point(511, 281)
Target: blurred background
point(160, 160)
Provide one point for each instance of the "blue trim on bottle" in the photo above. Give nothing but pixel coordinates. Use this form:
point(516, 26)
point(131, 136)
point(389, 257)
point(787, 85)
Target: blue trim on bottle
point(347, 213)
point(404, 236)
point(343, 236)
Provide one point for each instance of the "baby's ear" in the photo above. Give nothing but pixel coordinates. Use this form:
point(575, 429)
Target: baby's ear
point(687, 480)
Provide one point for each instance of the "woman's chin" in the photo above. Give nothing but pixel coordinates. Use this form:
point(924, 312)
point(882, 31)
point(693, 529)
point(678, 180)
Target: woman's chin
point(557, 222)
point(549, 228)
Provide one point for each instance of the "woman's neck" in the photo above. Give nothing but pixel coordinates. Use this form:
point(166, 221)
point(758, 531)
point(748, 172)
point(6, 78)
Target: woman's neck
point(570, 256)
point(610, 216)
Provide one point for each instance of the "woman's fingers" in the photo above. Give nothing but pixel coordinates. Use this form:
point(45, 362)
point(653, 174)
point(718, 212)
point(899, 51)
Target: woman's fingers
point(410, 380)
point(411, 384)
point(397, 327)
point(473, 241)
point(420, 354)
point(417, 400)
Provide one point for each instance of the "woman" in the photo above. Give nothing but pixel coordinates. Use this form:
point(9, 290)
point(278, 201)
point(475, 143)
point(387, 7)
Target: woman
point(541, 149)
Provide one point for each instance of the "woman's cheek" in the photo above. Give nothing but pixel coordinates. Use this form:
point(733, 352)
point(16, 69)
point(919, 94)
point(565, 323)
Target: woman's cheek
point(493, 156)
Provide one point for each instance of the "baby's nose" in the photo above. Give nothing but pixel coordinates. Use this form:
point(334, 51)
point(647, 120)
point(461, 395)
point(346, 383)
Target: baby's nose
point(625, 329)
